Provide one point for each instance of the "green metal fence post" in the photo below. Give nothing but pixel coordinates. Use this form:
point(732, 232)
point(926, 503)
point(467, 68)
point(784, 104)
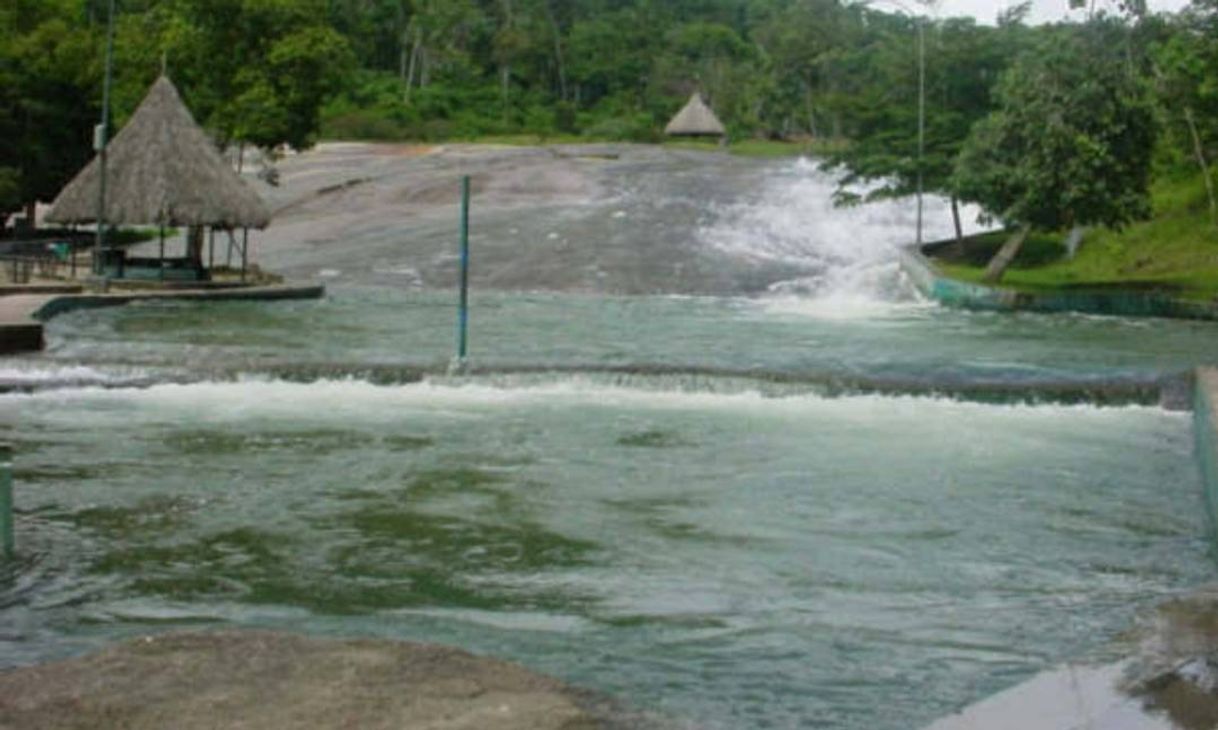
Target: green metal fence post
point(6, 502)
point(463, 312)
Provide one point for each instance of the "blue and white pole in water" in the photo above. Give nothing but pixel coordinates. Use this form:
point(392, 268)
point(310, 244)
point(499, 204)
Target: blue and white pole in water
point(458, 364)
point(7, 540)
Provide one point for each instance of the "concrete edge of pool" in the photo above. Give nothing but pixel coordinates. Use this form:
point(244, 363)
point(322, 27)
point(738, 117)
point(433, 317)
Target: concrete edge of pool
point(1205, 432)
point(1171, 679)
point(1169, 682)
point(934, 285)
point(22, 315)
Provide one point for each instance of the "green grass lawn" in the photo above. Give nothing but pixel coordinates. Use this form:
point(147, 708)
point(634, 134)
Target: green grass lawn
point(1176, 251)
point(756, 147)
point(521, 140)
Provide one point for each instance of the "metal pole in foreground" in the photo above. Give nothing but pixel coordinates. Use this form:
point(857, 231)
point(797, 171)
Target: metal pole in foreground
point(6, 502)
point(100, 142)
point(921, 116)
point(463, 309)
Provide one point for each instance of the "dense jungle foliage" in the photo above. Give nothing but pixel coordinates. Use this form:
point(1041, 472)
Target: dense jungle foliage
point(1044, 126)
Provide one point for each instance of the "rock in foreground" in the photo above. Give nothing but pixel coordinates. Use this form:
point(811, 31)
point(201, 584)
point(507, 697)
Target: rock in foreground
point(243, 679)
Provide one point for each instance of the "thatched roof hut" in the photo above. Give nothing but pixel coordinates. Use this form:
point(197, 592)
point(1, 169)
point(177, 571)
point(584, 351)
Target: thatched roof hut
point(695, 120)
point(163, 169)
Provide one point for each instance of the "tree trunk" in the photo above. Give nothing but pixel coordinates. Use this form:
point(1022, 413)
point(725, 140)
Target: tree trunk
point(558, 57)
point(808, 107)
point(1199, 152)
point(956, 220)
point(403, 36)
point(998, 265)
point(505, 65)
point(31, 215)
point(194, 245)
point(1074, 241)
point(403, 58)
point(836, 115)
point(505, 75)
point(414, 62)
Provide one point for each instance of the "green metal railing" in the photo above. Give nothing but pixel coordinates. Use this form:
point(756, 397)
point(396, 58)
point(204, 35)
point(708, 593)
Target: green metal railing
point(7, 540)
point(458, 364)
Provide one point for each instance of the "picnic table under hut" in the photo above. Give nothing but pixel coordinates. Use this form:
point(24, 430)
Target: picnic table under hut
point(163, 170)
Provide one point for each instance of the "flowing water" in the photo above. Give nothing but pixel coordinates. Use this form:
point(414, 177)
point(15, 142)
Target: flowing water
point(714, 457)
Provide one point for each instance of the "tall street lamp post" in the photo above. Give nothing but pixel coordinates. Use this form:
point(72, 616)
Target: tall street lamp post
point(100, 142)
point(921, 20)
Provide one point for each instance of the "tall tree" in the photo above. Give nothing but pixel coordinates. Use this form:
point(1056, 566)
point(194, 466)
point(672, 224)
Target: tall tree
point(1186, 75)
point(49, 73)
point(802, 41)
point(711, 57)
point(885, 155)
point(439, 31)
point(611, 55)
point(1071, 141)
point(253, 71)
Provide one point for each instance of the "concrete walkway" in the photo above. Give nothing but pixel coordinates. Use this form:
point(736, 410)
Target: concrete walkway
point(22, 315)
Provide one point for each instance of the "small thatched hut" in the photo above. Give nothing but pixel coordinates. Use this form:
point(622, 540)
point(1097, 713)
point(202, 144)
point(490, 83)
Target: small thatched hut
point(163, 170)
point(695, 120)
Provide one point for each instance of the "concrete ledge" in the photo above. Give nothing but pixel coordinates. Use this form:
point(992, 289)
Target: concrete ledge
point(59, 305)
point(1070, 698)
point(955, 293)
point(1205, 432)
point(1168, 681)
point(16, 337)
point(14, 290)
point(21, 316)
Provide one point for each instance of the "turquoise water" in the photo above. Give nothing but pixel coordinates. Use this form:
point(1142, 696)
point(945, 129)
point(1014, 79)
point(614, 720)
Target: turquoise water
point(804, 506)
point(730, 558)
point(368, 326)
point(732, 551)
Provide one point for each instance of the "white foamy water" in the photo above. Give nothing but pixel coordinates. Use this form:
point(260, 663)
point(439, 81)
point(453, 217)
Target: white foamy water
point(40, 374)
point(33, 373)
point(358, 401)
point(852, 251)
point(869, 290)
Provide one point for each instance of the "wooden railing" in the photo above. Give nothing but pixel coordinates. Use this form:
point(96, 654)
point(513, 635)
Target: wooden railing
point(48, 258)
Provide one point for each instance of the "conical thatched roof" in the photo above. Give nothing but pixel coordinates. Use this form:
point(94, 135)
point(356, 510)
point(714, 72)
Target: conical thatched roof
point(695, 120)
point(162, 169)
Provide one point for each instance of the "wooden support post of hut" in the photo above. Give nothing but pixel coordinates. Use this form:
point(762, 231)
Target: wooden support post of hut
point(163, 170)
point(696, 119)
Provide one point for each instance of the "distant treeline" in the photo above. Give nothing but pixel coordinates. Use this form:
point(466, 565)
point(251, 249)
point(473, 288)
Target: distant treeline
point(618, 69)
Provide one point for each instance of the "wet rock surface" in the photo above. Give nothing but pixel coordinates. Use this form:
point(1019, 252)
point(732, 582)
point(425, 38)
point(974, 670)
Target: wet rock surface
point(1169, 682)
point(1175, 673)
point(617, 219)
point(250, 679)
